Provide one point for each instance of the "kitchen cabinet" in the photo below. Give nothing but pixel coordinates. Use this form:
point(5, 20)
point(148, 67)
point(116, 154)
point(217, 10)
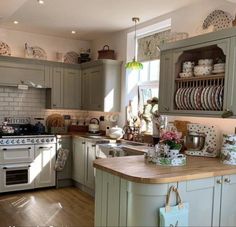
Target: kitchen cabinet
point(120, 202)
point(71, 89)
point(14, 70)
point(177, 94)
point(65, 92)
point(84, 153)
point(79, 149)
point(228, 201)
point(64, 177)
point(44, 163)
point(101, 82)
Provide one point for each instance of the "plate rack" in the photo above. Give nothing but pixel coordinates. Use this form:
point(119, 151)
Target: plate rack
point(203, 93)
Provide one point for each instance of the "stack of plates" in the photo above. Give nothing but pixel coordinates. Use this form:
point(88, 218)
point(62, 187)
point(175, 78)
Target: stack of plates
point(200, 98)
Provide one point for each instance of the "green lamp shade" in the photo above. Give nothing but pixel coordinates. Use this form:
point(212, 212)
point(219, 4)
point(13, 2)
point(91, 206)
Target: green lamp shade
point(134, 65)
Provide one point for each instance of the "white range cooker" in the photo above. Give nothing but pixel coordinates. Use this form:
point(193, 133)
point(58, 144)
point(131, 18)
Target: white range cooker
point(27, 162)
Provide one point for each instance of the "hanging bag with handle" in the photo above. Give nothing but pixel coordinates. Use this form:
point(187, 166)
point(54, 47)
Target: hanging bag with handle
point(174, 216)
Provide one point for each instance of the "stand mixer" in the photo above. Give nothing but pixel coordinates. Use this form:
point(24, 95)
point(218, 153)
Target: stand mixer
point(201, 140)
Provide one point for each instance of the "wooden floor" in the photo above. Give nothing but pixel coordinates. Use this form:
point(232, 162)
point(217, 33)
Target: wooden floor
point(67, 207)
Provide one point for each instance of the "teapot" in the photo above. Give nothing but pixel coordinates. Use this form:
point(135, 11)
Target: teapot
point(116, 132)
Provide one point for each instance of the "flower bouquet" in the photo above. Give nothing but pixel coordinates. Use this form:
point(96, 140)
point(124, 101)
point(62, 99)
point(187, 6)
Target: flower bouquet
point(172, 139)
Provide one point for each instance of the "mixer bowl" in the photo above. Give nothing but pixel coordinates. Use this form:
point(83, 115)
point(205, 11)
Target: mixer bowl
point(194, 141)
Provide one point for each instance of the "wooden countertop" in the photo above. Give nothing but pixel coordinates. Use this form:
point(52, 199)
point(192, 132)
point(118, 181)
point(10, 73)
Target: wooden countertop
point(134, 168)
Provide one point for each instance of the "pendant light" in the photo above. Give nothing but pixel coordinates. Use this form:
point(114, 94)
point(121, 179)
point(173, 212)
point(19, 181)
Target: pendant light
point(134, 65)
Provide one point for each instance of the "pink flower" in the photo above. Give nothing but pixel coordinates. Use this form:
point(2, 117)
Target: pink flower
point(170, 135)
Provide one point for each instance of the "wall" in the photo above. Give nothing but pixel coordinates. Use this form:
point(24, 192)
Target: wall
point(51, 44)
point(31, 103)
point(188, 19)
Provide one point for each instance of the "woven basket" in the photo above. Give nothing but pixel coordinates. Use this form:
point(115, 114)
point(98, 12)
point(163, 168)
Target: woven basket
point(106, 53)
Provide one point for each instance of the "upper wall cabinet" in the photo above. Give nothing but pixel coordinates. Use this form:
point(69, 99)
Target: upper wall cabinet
point(65, 88)
point(101, 82)
point(203, 93)
point(14, 70)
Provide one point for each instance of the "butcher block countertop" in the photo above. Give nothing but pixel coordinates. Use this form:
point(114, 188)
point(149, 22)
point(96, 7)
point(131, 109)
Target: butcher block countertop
point(136, 169)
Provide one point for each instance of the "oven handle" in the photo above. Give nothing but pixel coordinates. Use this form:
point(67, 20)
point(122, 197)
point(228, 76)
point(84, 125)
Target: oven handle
point(18, 148)
point(48, 148)
point(16, 167)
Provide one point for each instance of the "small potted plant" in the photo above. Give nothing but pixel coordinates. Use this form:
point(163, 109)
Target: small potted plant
point(172, 139)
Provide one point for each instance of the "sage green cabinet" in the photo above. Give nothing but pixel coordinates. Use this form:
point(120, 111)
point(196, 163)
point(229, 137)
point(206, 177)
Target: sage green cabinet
point(228, 201)
point(119, 202)
point(221, 45)
point(71, 89)
point(14, 70)
point(84, 153)
point(79, 149)
point(65, 88)
point(101, 82)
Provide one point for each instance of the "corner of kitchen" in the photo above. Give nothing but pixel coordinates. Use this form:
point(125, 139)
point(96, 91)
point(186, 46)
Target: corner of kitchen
point(129, 122)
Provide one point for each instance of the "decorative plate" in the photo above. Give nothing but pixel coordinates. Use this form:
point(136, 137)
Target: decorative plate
point(210, 102)
point(219, 19)
point(207, 103)
point(217, 97)
point(71, 57)
point(39, 53)
point(5, 49)
point(181, 98)
point(213, 98)
point(192, 98)
point(221, 98)
point(176, 98)
point(218, 71)
point(202, 98)
point(186, 98)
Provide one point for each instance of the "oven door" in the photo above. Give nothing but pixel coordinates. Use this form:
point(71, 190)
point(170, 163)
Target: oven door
point(16, 177)
point(16, 154)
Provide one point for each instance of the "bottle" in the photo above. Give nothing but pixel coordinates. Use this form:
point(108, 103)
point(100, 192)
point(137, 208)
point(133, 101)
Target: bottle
point(107, 131)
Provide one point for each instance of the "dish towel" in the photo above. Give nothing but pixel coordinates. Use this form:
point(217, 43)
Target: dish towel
point(61, 159)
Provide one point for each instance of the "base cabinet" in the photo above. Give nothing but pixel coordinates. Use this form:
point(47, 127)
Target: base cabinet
point(44, 163)
point(83, 156)
point(119, 202)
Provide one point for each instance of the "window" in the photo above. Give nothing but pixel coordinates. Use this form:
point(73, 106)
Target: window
point(150, 71)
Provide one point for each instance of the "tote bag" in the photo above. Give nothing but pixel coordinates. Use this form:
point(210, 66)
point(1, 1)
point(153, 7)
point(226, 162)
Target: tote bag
point(174, 216)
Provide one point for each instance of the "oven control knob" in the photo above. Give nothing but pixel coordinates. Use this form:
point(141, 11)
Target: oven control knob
point(12, 141)
point(42, 140)
point(47, 140)
point(22, 141)
point(52, 140)
point(37, 140)
point(18, 141)
point(7, 141)
point(32, 140)
point(1, 141)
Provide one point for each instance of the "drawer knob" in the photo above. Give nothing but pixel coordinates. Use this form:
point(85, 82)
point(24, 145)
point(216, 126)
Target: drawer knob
point(219, 181)
point(167, 109)
point(227, 180)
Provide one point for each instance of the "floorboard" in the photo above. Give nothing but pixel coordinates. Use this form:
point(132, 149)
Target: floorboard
point(67, 207)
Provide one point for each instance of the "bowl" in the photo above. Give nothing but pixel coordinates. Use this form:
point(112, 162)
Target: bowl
point(195, 141)
point(202, 70)
point(205, 62)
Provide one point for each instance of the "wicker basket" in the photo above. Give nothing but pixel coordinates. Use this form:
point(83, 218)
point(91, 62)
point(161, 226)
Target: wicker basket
point(106, 53)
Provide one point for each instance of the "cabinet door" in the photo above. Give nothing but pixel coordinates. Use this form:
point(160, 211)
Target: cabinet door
point(72, 89)
point(203, 196)
point(166, 82)
point(228, 201)
point(89, 169)
point(44, 163)
point(78, 171)
point(13, 72)
point(93, 89)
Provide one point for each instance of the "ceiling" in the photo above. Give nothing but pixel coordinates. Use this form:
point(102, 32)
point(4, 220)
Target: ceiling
point(89, 18)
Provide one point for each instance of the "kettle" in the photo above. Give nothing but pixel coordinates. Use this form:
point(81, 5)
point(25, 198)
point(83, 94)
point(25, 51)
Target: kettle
point(94, 126)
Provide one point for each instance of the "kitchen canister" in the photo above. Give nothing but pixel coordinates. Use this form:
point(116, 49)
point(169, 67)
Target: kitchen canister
point(228, 150)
